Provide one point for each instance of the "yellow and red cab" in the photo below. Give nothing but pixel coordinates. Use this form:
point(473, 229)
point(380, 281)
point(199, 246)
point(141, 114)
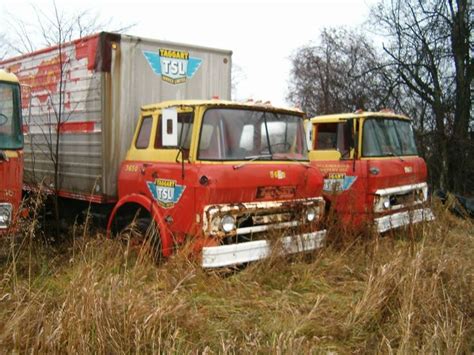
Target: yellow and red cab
point(371, 168)
point(222, 174)
point(11, 150)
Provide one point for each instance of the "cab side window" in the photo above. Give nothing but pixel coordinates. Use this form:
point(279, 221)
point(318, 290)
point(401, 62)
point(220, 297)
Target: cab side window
point(326, 136)
point(143, 138)
point(185, 131)
point(334, 136)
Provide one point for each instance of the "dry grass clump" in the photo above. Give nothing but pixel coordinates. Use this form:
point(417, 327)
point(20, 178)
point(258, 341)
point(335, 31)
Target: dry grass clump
point(411, 291)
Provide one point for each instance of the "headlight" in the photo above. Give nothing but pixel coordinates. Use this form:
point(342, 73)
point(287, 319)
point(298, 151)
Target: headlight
point(420, 195)
point(382, 203)
point(5, 214)
point(310, 214)
point(227, 223)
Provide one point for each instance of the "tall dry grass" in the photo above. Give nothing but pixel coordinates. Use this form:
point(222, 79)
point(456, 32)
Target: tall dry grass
point(411, 291)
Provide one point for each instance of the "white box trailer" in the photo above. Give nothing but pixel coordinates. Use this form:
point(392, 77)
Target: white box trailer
point(104, 79)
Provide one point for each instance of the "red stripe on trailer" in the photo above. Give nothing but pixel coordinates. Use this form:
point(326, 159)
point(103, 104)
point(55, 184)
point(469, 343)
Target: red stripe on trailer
point(86, 48)
point(87, 197)
point(72, 195)
point(77, 127)
point(49, 49)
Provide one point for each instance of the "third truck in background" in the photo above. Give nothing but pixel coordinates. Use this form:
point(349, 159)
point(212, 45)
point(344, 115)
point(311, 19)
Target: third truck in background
point(371, 168)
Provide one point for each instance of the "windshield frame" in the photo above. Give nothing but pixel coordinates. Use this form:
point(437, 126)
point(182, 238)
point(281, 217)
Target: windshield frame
point(392, 153)
point(267, 157)
point(17, 122)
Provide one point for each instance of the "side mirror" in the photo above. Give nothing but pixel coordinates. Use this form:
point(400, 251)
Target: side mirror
point(308, 128)
point(169, 127)
point(349, 133)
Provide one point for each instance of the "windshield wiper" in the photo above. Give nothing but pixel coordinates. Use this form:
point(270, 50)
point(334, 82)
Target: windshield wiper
point(251, 158)
point(392, 154)
point(286, 157)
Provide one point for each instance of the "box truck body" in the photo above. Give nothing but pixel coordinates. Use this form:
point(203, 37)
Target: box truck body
point(86, 95)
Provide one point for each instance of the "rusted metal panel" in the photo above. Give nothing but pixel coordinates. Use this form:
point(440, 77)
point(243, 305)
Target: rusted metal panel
point(100, 82)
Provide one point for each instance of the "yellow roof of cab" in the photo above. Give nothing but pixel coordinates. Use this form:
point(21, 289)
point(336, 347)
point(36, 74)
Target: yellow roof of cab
point(220, 103)
point(361, 114)
point(4, 76)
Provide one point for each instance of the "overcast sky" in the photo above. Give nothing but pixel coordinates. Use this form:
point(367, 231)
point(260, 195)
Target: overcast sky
point(262, 34)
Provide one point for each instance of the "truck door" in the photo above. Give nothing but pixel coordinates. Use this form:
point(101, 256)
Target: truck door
point(335, 153)
point(169, 177)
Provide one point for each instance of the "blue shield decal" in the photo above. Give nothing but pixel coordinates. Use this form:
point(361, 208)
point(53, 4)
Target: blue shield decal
point(336, 183)
point(166, 192)
point(173, 66)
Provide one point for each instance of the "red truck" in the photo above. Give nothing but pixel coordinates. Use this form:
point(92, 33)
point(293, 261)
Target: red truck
point(372, 171)
point(221, 173)
point(11, 150)
point(216, 172)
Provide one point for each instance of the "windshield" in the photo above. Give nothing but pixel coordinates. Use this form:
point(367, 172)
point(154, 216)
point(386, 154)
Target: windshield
point(388, 137)
point(10, 117)
point(239, 134)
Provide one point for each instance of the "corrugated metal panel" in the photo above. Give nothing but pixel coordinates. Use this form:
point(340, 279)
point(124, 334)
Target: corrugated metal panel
point(80, 151)
point(107, 78)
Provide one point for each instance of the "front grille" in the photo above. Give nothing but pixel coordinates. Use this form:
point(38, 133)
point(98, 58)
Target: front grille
point(257, 217)
point(396, 198)
point(405, 199)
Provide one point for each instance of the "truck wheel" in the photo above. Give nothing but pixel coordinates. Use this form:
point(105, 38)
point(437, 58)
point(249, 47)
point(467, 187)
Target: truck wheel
point(143, 237)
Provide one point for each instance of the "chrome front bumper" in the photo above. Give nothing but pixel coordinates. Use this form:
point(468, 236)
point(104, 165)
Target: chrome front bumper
point(401, 219)
point(234, 254)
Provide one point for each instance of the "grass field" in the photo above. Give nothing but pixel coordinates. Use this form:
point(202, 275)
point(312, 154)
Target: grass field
point(412, 291)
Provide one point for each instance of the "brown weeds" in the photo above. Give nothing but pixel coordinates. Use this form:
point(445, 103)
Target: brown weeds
point(411, 291)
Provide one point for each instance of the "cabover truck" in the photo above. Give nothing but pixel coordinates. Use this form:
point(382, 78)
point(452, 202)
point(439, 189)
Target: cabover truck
point(372, 171)
point(234, 172)
point(11, 150)
point(225, 174)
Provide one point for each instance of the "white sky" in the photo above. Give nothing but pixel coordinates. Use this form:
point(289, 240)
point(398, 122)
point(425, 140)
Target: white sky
point(262, 34)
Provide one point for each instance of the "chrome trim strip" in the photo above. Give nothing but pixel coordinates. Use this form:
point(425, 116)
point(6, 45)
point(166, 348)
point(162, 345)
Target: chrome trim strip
point(401, 189)
point(265, 227)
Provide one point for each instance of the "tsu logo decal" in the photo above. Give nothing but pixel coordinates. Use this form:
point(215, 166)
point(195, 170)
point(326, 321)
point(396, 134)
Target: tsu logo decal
point(173, 66)
point(166, 192)
point(337, 182)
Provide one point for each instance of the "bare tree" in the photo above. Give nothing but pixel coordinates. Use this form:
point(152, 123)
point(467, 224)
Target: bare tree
point(54, 29)
point(52, 26)
point(3, 46)
point(238, 75)
point(342, 72)
point(430, 48)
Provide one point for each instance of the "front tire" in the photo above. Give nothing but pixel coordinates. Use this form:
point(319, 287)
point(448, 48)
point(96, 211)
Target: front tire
point(141, 235)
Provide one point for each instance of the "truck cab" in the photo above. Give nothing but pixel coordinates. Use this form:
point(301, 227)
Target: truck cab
point(223, 175)
point(371, 168)
point(11, 150)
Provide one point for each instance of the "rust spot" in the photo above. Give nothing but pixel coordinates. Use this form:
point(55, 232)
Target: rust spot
point(276, 192)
